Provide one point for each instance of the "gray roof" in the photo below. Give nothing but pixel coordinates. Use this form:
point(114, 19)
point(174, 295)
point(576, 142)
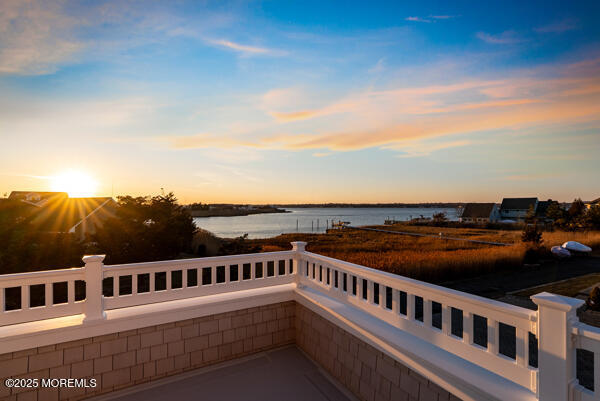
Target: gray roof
point(517, 203)
point(475, 210)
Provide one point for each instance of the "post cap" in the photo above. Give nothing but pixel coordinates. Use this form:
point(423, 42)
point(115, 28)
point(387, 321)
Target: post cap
point(559, 302)
point(93, 258)
point(298, 246)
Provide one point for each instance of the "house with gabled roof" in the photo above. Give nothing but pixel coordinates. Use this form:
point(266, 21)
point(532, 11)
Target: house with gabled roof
point(516, 209)
point(592, 203)
point(55, 212)
point(479, 213)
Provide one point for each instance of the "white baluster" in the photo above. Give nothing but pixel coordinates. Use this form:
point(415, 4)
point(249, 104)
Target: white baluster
point(93, 307)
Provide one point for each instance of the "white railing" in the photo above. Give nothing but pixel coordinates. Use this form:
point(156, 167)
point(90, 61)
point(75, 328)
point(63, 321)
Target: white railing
point(143, 283)
point(586, 339)
point(41, 295)
point(493, 335)
point(26, 297)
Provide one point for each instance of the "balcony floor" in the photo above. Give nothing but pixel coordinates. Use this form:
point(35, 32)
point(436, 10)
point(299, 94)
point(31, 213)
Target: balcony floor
point(281, 374)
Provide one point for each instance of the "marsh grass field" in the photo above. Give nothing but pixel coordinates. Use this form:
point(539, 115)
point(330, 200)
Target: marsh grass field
point(425, 258)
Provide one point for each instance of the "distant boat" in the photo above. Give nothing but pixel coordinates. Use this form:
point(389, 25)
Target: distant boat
point(340, 224)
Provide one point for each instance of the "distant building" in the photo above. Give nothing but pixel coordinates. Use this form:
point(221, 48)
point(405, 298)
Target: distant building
point(542, 209)
point(592, 203)
point(38, 199)
point(516, 209)
point(55, 212)
point(479, 213)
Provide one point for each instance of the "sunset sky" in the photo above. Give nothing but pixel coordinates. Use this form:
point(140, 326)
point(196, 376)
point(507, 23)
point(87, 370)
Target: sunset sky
point(289, 102)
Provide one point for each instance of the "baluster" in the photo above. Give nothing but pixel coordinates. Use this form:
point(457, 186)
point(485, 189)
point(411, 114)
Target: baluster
point(213, 275)
point(522, 341)
point(493, 336)
point(169, 274)
point(70, 291)
point(134, 284)
point(184, 278)
point(24, 297)
point(116, 286)
point(227, 273)
point(152, 282)
point(48, 301)
point(2, 305)
point(446, 319)
point(253, 271)
point(395, 302)
point(359, 287)
point(427, 312)
point(468, 327)
point(410, 307)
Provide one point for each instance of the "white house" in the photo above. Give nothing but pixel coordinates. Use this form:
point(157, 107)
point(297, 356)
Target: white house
point(516, 208)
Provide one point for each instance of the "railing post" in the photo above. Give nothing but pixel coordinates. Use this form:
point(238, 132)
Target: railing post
point(298, 247)
point(556, 352)
point(93, 307)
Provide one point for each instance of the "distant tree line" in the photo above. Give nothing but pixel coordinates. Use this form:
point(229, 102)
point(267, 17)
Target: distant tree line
point(576, 217)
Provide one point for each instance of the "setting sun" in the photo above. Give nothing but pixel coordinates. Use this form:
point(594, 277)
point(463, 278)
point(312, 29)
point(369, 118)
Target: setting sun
point(76, 183)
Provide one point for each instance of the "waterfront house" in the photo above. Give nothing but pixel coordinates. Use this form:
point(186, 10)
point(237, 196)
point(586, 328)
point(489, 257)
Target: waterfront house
point(516, 209)
point(479, 213)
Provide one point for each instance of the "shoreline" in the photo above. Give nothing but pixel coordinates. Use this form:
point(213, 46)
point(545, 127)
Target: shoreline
point(233, 212)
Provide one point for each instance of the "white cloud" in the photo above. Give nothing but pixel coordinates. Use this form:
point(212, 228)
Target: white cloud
point(504, 38)
point(36, 36)
point(245, 49)
point(378, 67)
point(417, 19)
point(558, 27)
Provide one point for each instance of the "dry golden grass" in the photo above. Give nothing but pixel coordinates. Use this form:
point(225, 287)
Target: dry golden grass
point(424, 258)
point(589, 238)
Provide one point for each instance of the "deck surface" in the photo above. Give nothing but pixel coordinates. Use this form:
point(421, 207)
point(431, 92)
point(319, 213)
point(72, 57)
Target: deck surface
point(282, 374)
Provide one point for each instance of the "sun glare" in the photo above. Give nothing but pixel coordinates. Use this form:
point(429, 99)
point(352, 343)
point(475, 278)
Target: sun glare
point(76, 183)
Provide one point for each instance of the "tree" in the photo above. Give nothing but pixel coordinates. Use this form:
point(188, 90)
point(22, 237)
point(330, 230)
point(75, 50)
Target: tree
point(532, 235)
point(593, 217)
point(577, 209)
point(145, 229)
point(439, 217)
point(530, 216)
point(557, 213)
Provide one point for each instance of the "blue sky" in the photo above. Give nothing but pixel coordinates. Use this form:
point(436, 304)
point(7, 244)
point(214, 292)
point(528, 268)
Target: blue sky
point(303, 101)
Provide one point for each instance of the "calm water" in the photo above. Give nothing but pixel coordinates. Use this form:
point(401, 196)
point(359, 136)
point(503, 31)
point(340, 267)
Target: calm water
point(309, 220)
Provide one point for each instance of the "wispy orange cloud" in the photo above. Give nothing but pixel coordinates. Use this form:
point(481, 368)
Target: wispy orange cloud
point(294, 116)
point(398, 117)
